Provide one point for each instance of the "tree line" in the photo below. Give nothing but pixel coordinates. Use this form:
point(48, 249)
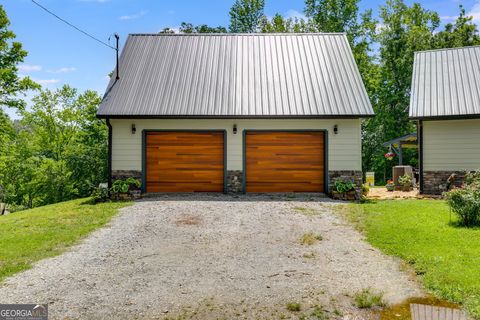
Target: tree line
point(57, 150)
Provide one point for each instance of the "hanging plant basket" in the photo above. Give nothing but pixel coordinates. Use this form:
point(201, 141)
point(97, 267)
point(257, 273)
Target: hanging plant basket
point(389, 156)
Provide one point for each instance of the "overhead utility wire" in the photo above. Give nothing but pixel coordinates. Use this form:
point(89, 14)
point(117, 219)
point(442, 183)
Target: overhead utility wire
point(71, 25)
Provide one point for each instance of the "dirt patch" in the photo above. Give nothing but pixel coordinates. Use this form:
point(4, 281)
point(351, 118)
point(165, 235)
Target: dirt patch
point(188, 220)
point(214, 256)
point(384, 194)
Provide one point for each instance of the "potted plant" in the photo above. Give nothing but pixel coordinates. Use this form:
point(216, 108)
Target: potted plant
point(390, 185)
point(344, 190)
point(406, 182)
point(125, 189)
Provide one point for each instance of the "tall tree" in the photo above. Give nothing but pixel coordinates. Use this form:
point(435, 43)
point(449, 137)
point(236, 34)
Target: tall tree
point(280, 24)
point(246, 15)
point(11, 54)
point(459, 34)
point(403, 31)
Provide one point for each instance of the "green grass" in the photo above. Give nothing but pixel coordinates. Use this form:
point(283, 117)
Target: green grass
point(294, 306)
point(31, 235)
point(421, 232)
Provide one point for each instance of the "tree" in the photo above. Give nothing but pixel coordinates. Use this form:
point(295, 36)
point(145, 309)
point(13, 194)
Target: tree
point(280, 24)
point(459, 34)
point(11, 54)
point(245, 16)
point(403, 31)
point(202, 28)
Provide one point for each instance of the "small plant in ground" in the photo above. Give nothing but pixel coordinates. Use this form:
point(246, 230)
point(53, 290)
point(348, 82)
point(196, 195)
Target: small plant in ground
point(309, 255)
point(406, 182)
point(310, 238)
point(343, 186)
point(366, 299)
point(318, 313)
point(294, 306)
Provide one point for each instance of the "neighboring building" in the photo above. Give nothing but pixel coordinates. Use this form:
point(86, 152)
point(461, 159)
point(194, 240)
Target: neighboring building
point(236, 112)
point(445, 101)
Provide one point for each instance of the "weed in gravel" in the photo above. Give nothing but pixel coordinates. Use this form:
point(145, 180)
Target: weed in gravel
point(307, 211)
point(309, 255)
point(294, 306)
point(310, 238)
point(318, 313)
point(366, 299)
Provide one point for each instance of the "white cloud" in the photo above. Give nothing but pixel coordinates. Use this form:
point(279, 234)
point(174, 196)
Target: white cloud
point(63, 70)
point(295, 14)
point(448, 18)
point(133, 16)
point(29, 68)
point(45, 82)
point(475, 12)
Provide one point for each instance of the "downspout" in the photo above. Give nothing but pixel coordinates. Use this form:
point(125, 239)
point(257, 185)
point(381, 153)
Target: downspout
point(420, 153)
point(109, 160)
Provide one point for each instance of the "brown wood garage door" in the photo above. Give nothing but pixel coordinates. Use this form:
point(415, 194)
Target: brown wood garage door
point(184, 161)
point(284, 161)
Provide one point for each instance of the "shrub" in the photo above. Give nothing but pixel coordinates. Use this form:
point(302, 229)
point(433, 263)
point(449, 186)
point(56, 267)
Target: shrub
point(465, 202)
point(405, 181)
point(101, 193)
point(123, 186)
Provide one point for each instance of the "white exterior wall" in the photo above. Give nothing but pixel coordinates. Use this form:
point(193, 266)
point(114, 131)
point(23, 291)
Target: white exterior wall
point(451, 145)
point(344, 148)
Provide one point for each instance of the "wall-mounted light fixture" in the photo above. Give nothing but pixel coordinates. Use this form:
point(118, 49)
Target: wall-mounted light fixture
point(234, 129)
point(335, 129)
point(134, 129)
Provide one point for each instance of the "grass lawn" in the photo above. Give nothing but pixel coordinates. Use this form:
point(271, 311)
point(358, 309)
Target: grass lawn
point(31, 235)
point(446, 257)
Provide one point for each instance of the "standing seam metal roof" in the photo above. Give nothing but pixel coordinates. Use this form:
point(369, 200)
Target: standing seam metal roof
point(446, 83)
point(237, 75)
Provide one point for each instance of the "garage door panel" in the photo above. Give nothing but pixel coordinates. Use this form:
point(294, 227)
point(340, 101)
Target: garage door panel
point(185, 161)
point(284, 161)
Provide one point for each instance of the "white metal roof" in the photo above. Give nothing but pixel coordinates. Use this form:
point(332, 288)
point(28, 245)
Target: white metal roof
point(237, 75)
point(446, 83)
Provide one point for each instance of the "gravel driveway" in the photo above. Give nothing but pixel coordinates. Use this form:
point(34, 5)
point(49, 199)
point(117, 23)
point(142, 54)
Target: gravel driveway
point(213, 256)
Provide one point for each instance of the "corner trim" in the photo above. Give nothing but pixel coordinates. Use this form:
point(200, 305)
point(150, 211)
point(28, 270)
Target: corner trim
point(144, 152)
point(109, 152)
point(420, 154)
point(325, 152)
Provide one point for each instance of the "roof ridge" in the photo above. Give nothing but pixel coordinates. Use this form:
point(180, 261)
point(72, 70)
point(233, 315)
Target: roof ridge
point(448, 49)
point(239, 34)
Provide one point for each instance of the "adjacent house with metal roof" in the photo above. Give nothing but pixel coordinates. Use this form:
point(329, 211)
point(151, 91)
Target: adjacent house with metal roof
point(445, 101)
point(236, 112)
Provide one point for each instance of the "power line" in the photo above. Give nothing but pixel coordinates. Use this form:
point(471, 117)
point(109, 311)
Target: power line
point(71, 25)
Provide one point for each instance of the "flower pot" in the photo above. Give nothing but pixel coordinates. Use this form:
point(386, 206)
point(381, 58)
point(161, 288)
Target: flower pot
point(390, 187)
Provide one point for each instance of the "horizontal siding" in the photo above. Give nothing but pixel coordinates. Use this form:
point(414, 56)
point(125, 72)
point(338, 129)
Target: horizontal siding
point(451, 145)
point(344, 147)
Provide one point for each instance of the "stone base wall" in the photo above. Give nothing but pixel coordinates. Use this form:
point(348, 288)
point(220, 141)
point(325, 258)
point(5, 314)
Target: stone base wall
point(124, 174)
point(356, 176)
point(436, 182)
point(234, 181)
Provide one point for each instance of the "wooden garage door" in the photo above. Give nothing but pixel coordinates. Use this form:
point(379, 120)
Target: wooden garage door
point(184, 161)
point(284, 161)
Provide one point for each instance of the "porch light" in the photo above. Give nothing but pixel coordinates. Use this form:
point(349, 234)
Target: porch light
point(134, 129)
point(335, 129)
point(234, 129)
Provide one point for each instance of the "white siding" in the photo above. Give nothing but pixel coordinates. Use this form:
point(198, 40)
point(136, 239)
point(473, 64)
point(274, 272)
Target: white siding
point(451, 145)
point(344, 148)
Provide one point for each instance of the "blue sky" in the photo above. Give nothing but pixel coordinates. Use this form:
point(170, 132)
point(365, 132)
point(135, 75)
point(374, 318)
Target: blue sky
point(60, 55)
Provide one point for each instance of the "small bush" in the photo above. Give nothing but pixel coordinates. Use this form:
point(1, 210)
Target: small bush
point(294, 306)
point(365, 299)
point(465, 202)
point(101, 193)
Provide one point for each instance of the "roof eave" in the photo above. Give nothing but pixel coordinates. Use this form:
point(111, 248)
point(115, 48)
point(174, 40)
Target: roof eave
point(447, 117)
point(355, 116)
